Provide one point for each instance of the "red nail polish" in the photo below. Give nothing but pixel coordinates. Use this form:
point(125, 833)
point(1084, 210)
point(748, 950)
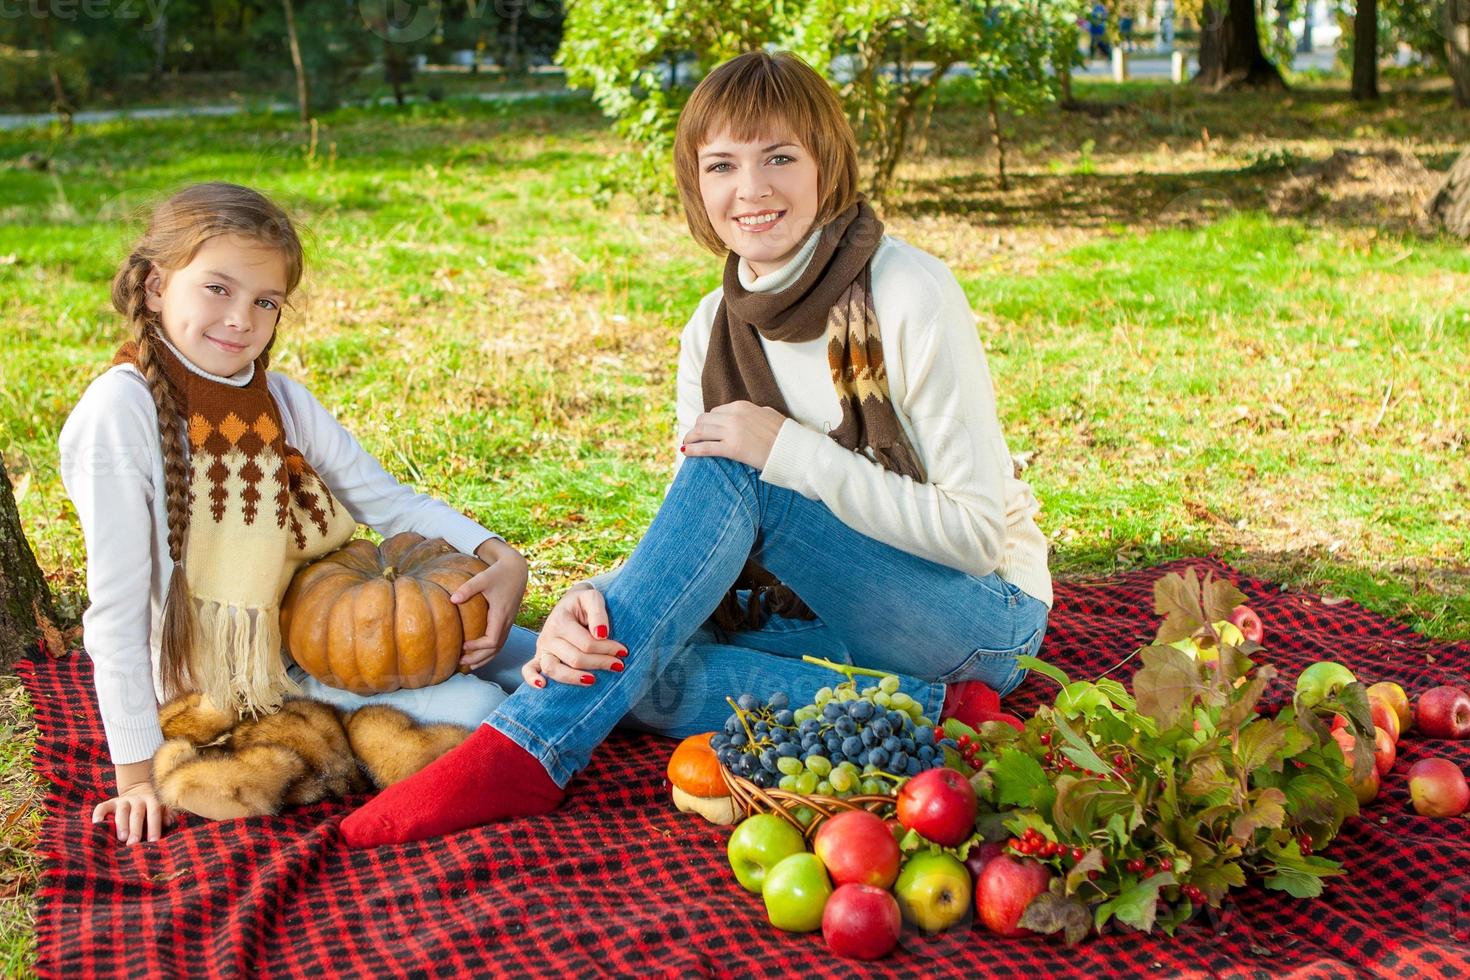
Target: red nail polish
point(616, 666)
point(588, 679)
point(601, 632)
point(539, 682)
point(681, 449)
point(622, 653)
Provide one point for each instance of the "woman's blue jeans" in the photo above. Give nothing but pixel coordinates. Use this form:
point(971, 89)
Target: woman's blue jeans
point(877, 607)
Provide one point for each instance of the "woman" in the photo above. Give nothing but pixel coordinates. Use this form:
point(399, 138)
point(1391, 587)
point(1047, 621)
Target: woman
point(845, 487)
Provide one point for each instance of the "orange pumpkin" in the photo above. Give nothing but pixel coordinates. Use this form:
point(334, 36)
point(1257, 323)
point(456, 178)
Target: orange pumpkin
point(698, 786)
point(372, 619)
point(694, 768)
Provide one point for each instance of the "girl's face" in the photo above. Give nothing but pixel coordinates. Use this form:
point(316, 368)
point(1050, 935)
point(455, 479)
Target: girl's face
point(761, 196)
point(221, 309)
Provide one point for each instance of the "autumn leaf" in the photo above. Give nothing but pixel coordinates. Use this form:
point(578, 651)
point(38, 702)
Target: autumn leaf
point(1176, 598)
point(1049, 913)
point(1264, 809)
point(1166, 684)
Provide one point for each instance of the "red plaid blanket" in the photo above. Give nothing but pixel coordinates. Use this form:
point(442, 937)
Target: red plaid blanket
point(617, 882)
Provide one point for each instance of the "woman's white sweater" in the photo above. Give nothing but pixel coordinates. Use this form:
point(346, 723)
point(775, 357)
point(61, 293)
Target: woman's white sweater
point(973, 514)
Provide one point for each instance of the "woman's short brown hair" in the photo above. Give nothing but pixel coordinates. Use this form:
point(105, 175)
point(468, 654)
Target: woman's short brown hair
point(756, 95)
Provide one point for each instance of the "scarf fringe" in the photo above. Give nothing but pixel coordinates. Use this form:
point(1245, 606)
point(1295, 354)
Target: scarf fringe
point(253, 680)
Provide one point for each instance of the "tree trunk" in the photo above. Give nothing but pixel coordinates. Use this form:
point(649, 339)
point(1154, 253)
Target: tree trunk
point(1230, 54)
point(1450, 205)
point(998, 138)
point(160, 41)
point(1365, 51)
point(1457, 47)
point(26, 613)
point(60, 104)
point(303, 93)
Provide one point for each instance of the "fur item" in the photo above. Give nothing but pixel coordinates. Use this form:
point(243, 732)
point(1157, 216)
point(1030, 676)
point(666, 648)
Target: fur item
point(220, 768)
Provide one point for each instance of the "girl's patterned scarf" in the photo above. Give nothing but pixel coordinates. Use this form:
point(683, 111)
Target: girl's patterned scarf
point(257, 513)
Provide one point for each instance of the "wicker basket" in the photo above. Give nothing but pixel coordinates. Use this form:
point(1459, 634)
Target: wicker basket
point(750, 799)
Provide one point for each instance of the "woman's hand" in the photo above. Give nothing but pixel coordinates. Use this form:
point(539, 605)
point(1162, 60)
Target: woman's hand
point(742, 431)
point(503, 585)
point(574, 641)
point(136, 809)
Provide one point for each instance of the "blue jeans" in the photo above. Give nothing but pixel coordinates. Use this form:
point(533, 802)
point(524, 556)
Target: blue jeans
point(877, 607)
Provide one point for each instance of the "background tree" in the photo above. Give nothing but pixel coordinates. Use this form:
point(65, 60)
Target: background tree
point(1230, 53)
point(1456, 21)
point(26, 612)
point(1365, 51)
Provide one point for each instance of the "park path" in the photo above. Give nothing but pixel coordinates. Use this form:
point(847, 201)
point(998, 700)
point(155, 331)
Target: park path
point(1142, 64)
point(22, 120)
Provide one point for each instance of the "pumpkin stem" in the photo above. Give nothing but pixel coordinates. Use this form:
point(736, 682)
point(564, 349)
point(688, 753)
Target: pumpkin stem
point(390, 573)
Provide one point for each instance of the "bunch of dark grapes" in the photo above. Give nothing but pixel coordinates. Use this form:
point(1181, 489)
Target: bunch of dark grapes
point(846, 742)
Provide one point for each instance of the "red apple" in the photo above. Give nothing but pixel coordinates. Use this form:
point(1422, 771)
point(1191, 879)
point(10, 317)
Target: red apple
point(1367, 790)
point(1384, 717)
point(1249, 624)
point(1444, 712)
point(940, 804)
point(1005, 888)
point(857, 847)
point(1395, 698)
point(1438, 788)
point(980, 856)
point(1384, 751)
point(861, 922)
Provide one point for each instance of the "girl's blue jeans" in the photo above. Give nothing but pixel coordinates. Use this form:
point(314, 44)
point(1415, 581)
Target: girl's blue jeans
point(876, 607)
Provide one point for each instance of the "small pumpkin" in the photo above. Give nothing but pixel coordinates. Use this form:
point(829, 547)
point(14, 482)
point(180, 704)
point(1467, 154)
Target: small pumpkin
point(372, 619)
point(699, 786)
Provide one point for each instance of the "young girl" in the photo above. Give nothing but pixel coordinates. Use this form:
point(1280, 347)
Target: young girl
point(846, 490)
point(203, 482)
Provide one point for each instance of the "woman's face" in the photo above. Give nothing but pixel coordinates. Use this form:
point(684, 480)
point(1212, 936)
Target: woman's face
point(221, 309)
point(761, 196)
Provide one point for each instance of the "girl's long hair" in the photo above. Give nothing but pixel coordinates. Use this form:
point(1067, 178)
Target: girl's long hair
point(176, 230)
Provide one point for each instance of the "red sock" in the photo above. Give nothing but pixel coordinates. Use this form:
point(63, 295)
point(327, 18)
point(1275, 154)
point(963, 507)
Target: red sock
point(967, 701)
point(487, 777)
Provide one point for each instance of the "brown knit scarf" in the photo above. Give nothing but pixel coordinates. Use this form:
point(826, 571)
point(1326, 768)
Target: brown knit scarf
point(257, 512)
point(833, 296)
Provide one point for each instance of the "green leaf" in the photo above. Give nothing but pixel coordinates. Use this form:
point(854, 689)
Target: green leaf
point(1081, 698)
point(1043, 668)
point(1079, 750)
point(1206, 778)
point(1091, 861)
point(1259, 744)
point(1166, 685)
point(1243, 701)
point(1017, 777)
point(1264, 809)
point(1137, 905)
point(1049, 913)
point(1217, 877)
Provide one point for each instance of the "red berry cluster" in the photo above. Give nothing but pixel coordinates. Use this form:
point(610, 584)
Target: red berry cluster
point(1141, 867)
point(1194, 894)
point(1033, 844)
point(969, 751)
point(1305, 843)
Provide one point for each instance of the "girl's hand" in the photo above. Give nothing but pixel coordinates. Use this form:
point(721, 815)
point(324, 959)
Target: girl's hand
point(503, 585)
point(742, 431)
point(574, 641)
point(136, 812)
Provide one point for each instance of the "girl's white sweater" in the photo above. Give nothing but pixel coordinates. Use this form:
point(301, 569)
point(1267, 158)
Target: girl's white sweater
point(112, 466)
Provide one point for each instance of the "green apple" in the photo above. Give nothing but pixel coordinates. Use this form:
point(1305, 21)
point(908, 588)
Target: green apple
point(758, 844)
point(933, 890)
point(796, 893)
point(1322, 680)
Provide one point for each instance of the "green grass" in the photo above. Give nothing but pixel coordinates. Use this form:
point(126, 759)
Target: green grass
point(1284, 391)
